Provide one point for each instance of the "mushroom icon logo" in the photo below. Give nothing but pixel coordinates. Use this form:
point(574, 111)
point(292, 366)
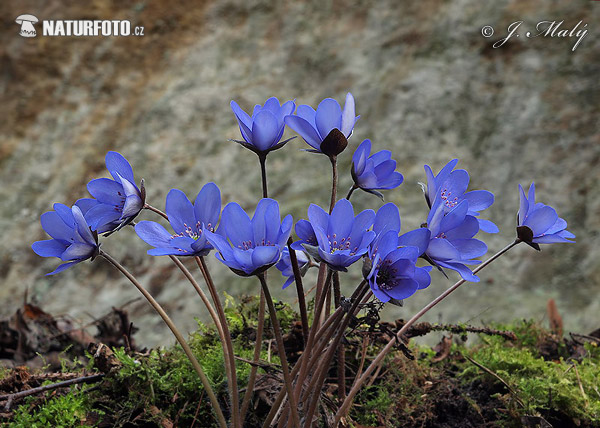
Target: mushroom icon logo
point(26, 21)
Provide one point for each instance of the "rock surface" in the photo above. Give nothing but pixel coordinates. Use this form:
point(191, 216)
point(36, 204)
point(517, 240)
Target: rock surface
point(428, 86)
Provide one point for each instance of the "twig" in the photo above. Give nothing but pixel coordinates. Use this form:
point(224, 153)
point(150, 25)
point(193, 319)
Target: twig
point(488, 371)
point(423, 328)
point(84, 379)
point(583, 394)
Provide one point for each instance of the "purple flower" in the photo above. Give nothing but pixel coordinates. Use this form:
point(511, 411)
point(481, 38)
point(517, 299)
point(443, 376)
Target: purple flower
point(450, 186)
point(285, 265)
point(262, 131)
point(316, 126)
point(394, 274)
point(188, 221)
point(375, 172)
point(117, 202)
point(73, 241)
point(452, 245)
point(250, 247)
point(539, 223)
point(342, 238)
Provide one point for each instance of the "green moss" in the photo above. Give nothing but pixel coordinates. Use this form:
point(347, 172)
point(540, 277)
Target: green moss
point(64, 411)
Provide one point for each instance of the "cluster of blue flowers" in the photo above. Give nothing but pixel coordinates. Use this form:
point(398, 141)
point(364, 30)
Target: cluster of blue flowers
point(249, 246)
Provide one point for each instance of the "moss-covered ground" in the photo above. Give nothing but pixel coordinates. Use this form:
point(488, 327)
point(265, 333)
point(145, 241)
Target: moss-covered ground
point(539, 379)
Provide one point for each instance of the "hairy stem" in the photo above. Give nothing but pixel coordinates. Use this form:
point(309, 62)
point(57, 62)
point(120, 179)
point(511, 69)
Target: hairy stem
point(334, 180)
point(359, 382)
point(156, 210)
point(186, 348)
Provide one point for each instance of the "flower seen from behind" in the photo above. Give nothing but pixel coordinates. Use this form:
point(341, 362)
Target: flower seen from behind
point(72, 239)
point(190, 222)
point(314, 126)
point(374, 172)
point(250, 246)
point(539, 223)
point(118, 201)
point(263, 130)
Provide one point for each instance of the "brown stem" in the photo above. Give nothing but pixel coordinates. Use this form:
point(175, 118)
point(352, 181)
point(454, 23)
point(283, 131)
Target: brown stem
point(257, 348)
point(263, 173)
point(229, 355)
point(359, 381)
point(186, 348)
point(281, 350)
point(341, 360)
point(156, 210)
point(334, 180)
point(299, 291)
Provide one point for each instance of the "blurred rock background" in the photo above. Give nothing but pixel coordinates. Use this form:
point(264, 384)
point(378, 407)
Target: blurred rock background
point(427, 85)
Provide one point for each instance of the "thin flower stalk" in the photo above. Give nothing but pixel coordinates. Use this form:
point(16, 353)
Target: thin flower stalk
point(281, 350)
point(299, 291)
point(230, 356)
point(186, 348)
point(343, 410)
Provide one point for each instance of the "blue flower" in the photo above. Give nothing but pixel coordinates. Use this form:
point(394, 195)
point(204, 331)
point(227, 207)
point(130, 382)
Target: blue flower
point(250, 247)
point(394, 274)
point(375, 172)
point(342, 238)
point(73, 241)
point(285, 265)
point(539, 223)
point(452, 244)
point(450, 186)
point(316, 126)
point(188, 221)
point(262, 131)
point(117, 202)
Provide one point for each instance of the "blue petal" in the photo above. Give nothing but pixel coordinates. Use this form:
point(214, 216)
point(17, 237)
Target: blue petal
point(77, 251)
point(348, 116)
point(540, 220)
point(479, 200)
point(56, 227)
point(362, 222)
point(287, 282)
point(470, 248)
point(165, 251)
point(329, 116)
point(422, 277)
point(387, 218)
point(308, 114)
point(318, 217)
point(238, 227)
point(66, 215)
point(341, 220)
point(324, 244)
point(85, 204)
point(153, 233)
point(523, 206)
point(464, 271)
point(220, 243)
point(207, 206)
point(82, 227)
point(441, 249)
point(49, 248)
point(454, 217)
point(244, 260)
point(133, 205)
point(416, 238)
point(101, 215)
point(387, 243)
point(241, 115)
point(404, 288)
point(467, 229)
point(263, 256)
point(359, 159)
point(305, 130)
point(285, 230)
point(116, 163)
point(180, 212)
point(559, 224)
point(106, 191)
point(454, 187)
point(64, 266)
point(385, 168)
point(487, 226)
point(265, 130)
point(551, 239)
point(305, 232)
point(531, 198)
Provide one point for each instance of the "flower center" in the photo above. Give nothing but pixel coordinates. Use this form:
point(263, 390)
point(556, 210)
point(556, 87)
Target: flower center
point(447, 198)
point(386, 275)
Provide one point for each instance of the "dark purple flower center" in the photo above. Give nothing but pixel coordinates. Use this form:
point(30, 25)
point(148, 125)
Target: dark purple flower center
point(386, 275)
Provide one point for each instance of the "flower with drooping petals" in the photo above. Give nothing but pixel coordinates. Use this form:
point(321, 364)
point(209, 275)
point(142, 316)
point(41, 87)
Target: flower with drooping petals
point(450, 186)
point(263, 130)
point(118, 201)
point(342, 238)
point(249, 247)
point(285, 265)
point(326, 129)
point(539, 223)
point(452, 244)
point(72, 239)
point(374, 172)
point(188, 221)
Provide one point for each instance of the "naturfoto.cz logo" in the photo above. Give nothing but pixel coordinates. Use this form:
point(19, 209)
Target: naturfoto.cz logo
point(77, 28)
